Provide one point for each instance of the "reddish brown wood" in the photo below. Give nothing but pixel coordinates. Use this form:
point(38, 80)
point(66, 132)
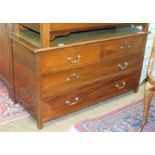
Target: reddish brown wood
point(122, 46)
point(35, 83)
point(49, 31)
point(38, 92)
point(25, 78)
point(105, 71)
point(44, 34)
point(33, 26)
point(73, 78)
point(6, 60)
point(70, 57)
point(87, 95)
point(93, 69)
point(145, 27)
point(4, 54)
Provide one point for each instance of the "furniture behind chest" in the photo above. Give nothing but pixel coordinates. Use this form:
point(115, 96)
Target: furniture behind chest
point(148, 50)
point(56, 69)
point(6, 71)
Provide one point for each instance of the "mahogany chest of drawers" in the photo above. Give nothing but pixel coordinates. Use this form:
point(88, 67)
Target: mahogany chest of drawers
point(57, 80)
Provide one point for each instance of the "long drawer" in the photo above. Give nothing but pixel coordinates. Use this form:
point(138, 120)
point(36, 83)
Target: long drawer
point(87, 95)
point(71, 57)
point(67, 80)
point(123, 46)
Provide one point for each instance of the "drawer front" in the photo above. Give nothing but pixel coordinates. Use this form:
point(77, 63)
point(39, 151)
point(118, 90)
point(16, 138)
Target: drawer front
point(66, 80)
point(124, 45)
point(87, 95)
point(71, 57)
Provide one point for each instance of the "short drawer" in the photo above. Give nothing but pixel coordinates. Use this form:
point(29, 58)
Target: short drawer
point(87, 95)
point(67, 80)
point(70, 57)
point(124, 45)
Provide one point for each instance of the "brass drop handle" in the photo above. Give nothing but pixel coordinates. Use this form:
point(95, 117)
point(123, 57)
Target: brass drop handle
point(125, 46)
point(72, 102)
point(128, 46)
point(123, 66)
point(122, 47)
point(121, 86)
point(74, 61)
point(74, 75)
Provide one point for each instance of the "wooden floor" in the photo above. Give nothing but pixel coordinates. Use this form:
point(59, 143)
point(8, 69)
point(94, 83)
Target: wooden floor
point(64, 124)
